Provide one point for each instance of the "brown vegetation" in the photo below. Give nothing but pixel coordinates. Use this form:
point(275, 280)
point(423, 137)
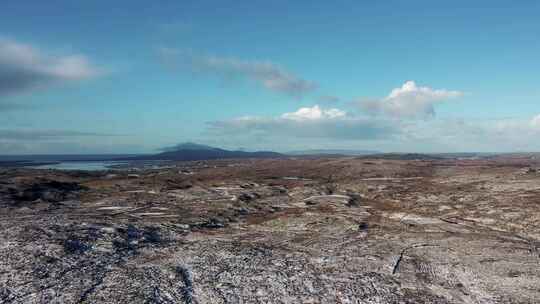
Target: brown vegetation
point(337, 230)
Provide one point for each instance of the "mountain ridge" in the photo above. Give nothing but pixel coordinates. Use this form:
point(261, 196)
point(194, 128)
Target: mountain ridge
point(192, 151)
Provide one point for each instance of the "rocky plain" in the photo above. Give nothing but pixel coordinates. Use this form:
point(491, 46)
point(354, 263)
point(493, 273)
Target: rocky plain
point(299, 230)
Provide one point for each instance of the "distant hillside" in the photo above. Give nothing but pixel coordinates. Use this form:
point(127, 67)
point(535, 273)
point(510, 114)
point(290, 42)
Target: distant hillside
point(191, 151)
point(404, 156)
point(333, 152)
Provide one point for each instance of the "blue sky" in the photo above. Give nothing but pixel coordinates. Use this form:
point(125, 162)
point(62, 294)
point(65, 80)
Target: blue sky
point(134, 76)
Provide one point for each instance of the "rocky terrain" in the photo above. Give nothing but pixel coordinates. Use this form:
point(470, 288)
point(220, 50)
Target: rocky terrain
point(341, 230)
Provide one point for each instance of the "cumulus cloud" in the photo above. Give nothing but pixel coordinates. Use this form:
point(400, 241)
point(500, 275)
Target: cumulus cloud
point(269, 75)
point(409, 101)
point(314, 113)
point(313, 122)
point(24, 67)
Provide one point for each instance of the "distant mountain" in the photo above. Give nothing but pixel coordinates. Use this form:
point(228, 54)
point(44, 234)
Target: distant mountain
point(333, 152)
point(188, 146)
point(192, 151)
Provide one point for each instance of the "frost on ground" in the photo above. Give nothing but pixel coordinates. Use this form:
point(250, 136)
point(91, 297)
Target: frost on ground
point(341, 230)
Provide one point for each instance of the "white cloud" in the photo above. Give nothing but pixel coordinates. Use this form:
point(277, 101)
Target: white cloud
point(310, 122)
point(271, 76)
point(476, 135)
point(24, 67)
point(410, 101)
point(535, 122)
point(314, 113)
point(334, 128)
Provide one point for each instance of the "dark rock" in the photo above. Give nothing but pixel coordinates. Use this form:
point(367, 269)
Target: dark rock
point(151, 235)
point(187, 279)
point(280, 189)
point(185, 185)
point(248, 185)
point(213, 223)
point(49, 191)
point(248, 197)
point(530, 170)
point(354, 200)
point(6, 296)
point(276, 208)
point(133, 233)
point(243, 211)
point(362, 226)
point(75, 246)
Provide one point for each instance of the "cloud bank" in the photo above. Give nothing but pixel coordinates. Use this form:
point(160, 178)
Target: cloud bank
point(35, 141)
point(267, 74)
point(409, 101)
point(24, 67)
point(318, 127)
point(309, 122)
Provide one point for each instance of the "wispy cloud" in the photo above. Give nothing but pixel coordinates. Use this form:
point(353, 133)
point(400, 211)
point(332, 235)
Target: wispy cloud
point(67, 146)
point(267, 74)
point(329, 99)
point(23, 67)
point(34, 134)
point(409, 101)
